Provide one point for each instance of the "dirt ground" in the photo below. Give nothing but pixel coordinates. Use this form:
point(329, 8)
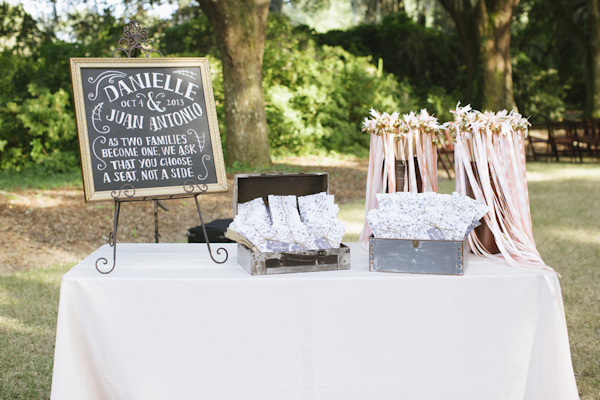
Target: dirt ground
point(47, 227)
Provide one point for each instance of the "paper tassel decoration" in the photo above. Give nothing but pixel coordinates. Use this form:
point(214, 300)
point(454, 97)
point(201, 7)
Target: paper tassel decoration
point(490, 166)
point(400, 147)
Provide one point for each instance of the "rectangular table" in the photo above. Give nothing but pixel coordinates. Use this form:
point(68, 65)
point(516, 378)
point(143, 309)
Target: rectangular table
point(168, 323)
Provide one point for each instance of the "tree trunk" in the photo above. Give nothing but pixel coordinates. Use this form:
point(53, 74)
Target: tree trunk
point(377, 10)
point(484, 29)
point(240, 27)
point(276, 7)
point(494, 26)
point(422, 6)
point(389, 7)
point(593, 61)
point(463, 15)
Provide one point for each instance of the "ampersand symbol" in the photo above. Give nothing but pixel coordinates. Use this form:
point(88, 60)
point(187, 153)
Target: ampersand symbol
point(155, 105)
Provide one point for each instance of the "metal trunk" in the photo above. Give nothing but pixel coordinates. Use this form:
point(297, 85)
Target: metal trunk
point(418, 256)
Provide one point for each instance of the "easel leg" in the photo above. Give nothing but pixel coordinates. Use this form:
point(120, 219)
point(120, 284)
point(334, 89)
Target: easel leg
point(156, 234)
point(112, 241)
point(220, 249)
point(158, 203)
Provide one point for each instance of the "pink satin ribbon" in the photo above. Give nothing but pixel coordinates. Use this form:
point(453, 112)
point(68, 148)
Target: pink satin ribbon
point(413, 133)
point(495, 144)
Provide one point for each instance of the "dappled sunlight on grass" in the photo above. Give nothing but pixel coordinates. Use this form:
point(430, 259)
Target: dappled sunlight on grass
point(16, 326)
point(540, 172)
point(583, 236)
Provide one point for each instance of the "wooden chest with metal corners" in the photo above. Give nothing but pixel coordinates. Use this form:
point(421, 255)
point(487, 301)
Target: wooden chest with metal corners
point(250, 186)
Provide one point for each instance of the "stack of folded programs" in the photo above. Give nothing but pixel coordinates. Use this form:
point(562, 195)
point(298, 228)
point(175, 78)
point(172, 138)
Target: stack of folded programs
point(425, 216)
point(289, 223)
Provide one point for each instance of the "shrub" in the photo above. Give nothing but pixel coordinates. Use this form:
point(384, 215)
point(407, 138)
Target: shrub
point(317, 95)
point(427, 58)
point(39, 130)
point(539, 93)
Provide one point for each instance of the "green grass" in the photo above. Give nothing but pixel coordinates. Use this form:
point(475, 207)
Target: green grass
point(565, 205)
point(28, 312)
point(352, 213)
point(565, 208)
point(39, 179)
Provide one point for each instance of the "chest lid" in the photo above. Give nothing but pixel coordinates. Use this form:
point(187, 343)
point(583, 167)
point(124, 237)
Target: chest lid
point(248, 187)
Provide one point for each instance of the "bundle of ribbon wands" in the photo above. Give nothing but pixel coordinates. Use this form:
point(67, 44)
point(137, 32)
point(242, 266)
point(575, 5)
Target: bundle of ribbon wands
point(403, 156)
point(489, 156)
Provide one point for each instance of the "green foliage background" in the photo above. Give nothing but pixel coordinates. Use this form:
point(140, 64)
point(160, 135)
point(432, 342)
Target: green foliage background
point(318, 87)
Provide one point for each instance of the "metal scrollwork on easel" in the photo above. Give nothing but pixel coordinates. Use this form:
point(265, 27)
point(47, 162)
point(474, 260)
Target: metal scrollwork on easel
point(135, 37)
point(220, 249)
point(128, 191)
point(189, 186)
point(112, 242)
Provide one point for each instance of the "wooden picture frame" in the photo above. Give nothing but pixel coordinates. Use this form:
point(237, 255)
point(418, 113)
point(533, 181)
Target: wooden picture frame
point(147, 128)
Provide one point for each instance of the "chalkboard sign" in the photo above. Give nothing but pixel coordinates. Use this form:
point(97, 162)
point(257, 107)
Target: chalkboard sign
point(147, 127)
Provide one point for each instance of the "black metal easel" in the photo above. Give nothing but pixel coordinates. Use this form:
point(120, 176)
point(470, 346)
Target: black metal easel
point(134, 40)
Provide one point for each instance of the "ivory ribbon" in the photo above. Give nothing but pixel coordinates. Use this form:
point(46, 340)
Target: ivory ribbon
point(394, 138)
point(494, 143)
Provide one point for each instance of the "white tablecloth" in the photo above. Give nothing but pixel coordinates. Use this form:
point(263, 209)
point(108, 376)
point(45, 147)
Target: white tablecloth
point(170, 324)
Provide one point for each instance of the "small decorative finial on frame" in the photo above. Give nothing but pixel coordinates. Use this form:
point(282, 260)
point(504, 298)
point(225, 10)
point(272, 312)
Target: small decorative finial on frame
point(135, 37)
